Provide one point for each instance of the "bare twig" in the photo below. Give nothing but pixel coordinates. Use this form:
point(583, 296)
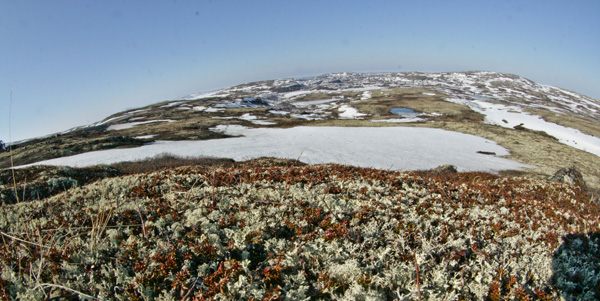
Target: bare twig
point(329, 208)
point(191, 288)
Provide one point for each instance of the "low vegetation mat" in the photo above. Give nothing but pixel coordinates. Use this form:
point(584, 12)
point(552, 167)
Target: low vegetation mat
point(303, 232)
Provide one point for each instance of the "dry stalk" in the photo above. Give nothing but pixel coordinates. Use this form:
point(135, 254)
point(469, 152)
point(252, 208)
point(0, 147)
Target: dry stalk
point(84, 228)
point(68, 289)
point(99, 225)
point(417, 270)
point(142, 220)
point(41, 264)
point(12, 163)
point(212, 195)
point(23, 241)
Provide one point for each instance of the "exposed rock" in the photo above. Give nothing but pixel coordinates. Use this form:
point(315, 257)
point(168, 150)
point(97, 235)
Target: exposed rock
point(570, 175)
point(445, 168)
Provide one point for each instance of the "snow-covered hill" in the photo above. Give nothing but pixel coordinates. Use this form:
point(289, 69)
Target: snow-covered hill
point(534, 118)
point(483, 85)
point(502, 98)
point(270, 228)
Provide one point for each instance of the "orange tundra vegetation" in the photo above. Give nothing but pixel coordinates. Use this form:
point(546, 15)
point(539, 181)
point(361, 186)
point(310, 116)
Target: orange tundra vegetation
point(261, 231)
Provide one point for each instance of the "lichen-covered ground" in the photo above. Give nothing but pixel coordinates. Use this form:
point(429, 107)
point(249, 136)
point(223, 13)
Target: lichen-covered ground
point(254, 231)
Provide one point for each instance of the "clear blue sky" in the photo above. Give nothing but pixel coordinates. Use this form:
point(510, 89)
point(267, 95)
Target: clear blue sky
point(70, 63)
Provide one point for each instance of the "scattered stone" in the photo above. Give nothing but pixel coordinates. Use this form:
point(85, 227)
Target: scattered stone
point(570, 175)
point(519, 127)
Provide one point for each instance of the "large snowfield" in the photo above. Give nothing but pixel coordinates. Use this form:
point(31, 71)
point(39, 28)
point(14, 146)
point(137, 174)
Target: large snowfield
point(393, 148)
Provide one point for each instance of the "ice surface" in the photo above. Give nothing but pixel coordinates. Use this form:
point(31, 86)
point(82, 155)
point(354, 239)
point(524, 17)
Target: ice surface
point(397, 148)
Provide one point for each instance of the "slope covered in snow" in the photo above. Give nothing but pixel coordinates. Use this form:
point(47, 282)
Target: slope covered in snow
point(513, 116)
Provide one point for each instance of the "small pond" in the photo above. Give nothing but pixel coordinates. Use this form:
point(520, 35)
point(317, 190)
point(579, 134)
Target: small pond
point(405, 112)
point(399, 111)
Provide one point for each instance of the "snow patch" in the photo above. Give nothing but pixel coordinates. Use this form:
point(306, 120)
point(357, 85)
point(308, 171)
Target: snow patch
point(294, 94)
point(251, 118)
point(263, 122)
point(122, 126)
point(368, 88)
point(413, 119)
point(255, 119)
point(397, 148)
point(311, 116)
point(198, 96)
point(277, 112)
point(145, 137)
point(350, 112)
point(172, 104)
point(303, 104)
point(511, 116)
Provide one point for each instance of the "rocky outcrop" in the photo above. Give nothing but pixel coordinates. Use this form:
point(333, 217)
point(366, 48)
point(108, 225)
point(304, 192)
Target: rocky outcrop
point(570, 175)
point(445, 169)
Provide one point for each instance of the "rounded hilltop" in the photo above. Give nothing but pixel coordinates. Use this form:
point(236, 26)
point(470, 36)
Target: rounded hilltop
point(150, 213)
